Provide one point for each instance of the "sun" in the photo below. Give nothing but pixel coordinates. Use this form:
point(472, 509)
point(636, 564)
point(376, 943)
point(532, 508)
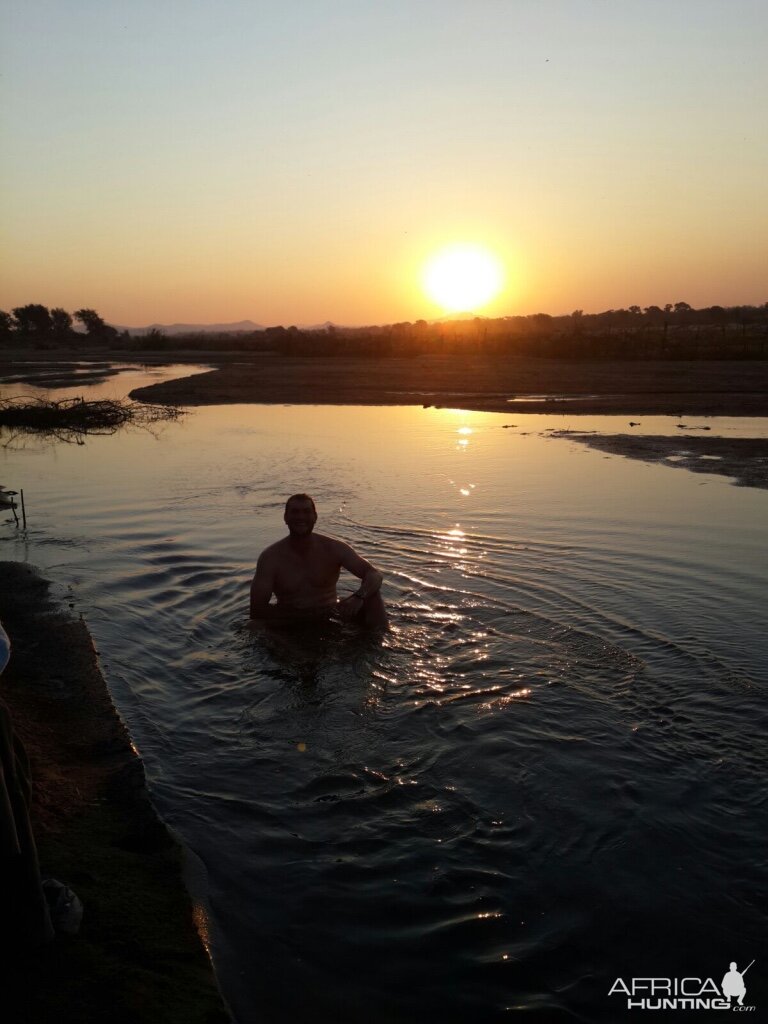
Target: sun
point(463, 277)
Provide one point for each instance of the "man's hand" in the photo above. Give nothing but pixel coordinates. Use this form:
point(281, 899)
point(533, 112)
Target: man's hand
point(350, 606)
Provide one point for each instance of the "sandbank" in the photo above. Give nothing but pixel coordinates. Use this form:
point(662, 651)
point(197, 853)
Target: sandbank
point(522, 384)
point(744, 459)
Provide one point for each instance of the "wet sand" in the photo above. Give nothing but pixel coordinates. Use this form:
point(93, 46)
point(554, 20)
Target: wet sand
point(480, 383)
point(138, 956)
point(745, 459)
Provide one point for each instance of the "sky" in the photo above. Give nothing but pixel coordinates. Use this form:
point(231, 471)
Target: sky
point(294, 162)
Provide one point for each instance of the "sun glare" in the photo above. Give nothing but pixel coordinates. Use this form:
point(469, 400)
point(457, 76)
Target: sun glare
point(463, 278)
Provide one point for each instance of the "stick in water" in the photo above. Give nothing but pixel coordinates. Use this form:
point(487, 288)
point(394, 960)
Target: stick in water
point(11, 495)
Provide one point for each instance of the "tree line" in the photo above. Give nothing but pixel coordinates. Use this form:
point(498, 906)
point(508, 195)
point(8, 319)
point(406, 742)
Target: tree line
point(36, 323)
point(673, 331)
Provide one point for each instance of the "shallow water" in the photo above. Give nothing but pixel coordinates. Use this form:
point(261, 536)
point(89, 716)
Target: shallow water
point(547, 775)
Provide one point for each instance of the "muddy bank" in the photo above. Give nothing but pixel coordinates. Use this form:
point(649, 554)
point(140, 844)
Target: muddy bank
point(745, 459)
point(495, 385)
point(138, 956)
point(473, 381)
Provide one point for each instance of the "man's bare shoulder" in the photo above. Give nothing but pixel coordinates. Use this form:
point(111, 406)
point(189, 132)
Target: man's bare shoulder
point(273, 552)
point(331, 544)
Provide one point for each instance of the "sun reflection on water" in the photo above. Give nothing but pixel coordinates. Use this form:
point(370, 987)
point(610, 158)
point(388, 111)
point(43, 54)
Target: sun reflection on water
point(450, 539)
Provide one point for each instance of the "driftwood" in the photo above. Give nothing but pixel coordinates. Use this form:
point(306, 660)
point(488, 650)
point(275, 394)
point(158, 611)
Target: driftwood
point(72, 419)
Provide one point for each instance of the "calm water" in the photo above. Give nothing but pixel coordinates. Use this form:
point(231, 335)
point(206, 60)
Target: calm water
point(548, 775)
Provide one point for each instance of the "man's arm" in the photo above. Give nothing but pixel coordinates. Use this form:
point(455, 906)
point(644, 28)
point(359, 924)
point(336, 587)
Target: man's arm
point(371, 578)
point(367, 599)
point(262, 587)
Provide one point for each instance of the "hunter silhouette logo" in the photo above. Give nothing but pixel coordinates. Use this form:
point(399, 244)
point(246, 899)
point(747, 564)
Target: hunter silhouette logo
point(689, 993)
point(733, 983)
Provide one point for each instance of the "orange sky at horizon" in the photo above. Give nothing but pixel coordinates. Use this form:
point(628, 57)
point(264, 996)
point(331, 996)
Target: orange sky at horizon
point(225, 162)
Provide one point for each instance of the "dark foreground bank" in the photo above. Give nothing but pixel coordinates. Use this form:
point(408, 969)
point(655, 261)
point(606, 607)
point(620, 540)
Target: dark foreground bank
point(138, 956)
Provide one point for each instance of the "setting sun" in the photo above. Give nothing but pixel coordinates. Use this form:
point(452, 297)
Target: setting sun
point(463, 277)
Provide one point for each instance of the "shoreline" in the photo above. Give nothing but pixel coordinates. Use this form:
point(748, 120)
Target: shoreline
point(138, 955)
point(479, 383)
point(474, 381)
point(701, 389)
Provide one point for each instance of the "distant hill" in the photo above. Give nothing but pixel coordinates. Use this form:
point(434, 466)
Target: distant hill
point(241, 326)
point(244, 326)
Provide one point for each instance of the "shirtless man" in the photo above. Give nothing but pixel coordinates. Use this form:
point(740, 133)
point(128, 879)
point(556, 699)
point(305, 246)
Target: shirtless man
point(302, 571)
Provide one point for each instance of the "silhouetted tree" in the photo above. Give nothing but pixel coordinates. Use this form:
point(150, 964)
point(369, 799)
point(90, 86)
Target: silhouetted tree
point(33, 319)
point(716, 314)
point(541, 321)
point(6, 325)
point(97, 329)
point(90, 320)
point(61, 324)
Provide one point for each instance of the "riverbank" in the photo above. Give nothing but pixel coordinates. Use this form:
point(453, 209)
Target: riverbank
point(484, 383)
point(479, 383)
point(138, 956)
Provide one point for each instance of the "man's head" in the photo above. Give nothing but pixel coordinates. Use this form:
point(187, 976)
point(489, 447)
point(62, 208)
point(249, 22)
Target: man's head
point(300, 515)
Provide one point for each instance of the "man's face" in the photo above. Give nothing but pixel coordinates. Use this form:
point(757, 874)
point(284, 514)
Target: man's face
point(300, 517)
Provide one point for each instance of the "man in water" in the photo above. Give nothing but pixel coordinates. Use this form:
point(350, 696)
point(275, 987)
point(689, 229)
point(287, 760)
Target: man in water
point(302, 571)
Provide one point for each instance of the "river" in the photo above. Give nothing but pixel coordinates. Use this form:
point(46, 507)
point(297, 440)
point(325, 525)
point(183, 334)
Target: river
point(550, 772)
